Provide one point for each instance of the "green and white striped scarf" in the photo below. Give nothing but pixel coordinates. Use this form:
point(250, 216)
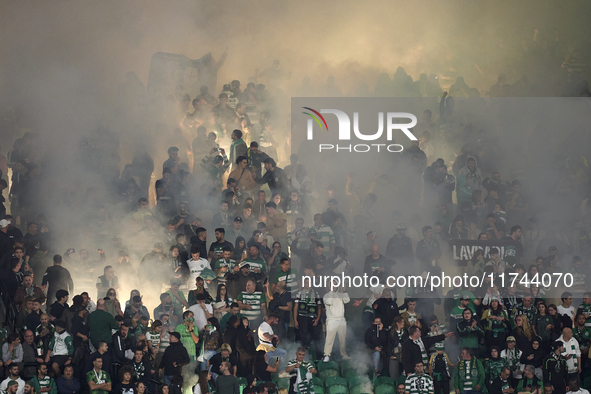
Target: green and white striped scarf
point(423, 351)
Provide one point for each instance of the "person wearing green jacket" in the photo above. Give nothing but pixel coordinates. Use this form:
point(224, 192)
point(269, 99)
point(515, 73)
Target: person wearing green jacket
point(41, 380)
point(101, 323)
point(469, 377)
point(469, 330)
point(189, 334)
point(493, 365)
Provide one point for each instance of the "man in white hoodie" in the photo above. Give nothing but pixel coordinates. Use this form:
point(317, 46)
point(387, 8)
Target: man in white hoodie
point(13, 371)
point(334, 302)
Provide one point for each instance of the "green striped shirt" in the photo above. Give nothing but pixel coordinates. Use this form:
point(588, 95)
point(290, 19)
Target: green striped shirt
point(154, 338)
point(308, 365)
point(325, 235)
point(419, 384)
point(290, 278)
point(224, 267)
point(256, 299)
point(260, 264)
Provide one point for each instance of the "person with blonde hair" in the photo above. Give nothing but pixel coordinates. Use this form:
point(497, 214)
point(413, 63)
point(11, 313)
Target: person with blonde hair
point(522, 332)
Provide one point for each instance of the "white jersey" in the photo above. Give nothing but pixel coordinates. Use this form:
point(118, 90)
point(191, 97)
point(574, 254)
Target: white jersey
point(195, 269)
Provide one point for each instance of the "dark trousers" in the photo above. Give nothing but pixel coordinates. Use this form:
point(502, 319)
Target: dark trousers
point(441, 387)
point(308, 333)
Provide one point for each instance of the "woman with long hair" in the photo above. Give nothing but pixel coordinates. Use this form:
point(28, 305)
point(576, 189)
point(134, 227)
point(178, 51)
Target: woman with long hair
point(202, 387)
point(496, 324)
point(223, 296)
point(246, 347)
point(163, 390)
point(522, 333)
point(133, 293)
point(469, 330)
point(199, 290)
point(112, 303)
point(262, 370)
point(210, 338)
point(140, 388)
point(542, 326)
point(240, 251)
point(397, 335)
point(552, 310)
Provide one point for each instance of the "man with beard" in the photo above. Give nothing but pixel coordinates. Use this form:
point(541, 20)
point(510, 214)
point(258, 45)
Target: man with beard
point(200, 240)
point(255, 261)
point(28, 289)
point(43, 383)
point(243, 176)
point(238, 280)
point(275, 177)
point(13, 387)
point(13, 372)
point(216, 249)
point(314, 256)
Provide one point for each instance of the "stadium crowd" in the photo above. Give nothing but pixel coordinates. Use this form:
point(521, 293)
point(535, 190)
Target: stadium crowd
point(233, 310)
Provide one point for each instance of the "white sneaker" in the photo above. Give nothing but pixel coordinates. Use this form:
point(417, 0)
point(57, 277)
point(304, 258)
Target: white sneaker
point(326, 359)
point(346, 357)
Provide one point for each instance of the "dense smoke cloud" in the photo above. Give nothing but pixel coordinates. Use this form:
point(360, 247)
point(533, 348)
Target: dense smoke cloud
point(63, 65)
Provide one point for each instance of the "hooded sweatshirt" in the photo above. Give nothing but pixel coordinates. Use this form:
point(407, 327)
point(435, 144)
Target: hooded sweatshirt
point(468, 181)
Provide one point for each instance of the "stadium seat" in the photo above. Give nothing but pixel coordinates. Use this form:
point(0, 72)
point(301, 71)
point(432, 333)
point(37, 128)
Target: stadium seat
point(283, 383)
point(336, 385)
point(349, 373)
point(346, 364)
point(383, 385)
point(335, 380)
point(359, 384)
point(242, 383)
point(328, 370)
point(318, 389)
point(317, 381)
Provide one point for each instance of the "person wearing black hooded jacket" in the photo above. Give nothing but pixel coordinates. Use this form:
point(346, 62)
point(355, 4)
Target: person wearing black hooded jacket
point(534, 356)
point(376, 339)
point(246, 348)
